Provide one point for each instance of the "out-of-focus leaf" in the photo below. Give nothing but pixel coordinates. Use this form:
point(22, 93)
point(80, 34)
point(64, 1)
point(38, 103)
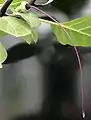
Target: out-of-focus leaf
point(14, 1)
point(3, 54)
point(2, 34)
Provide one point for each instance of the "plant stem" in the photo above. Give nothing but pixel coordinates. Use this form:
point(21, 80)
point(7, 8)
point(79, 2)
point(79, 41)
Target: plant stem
point(4, 7)
point(76, 51)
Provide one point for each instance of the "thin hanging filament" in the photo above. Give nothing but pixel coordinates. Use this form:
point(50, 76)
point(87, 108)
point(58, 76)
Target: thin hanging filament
point(77, 54)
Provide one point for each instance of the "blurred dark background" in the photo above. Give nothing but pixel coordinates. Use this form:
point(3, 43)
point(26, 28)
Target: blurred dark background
point(42, 81)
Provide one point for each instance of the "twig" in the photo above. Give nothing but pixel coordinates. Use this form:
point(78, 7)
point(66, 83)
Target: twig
point(76, 51)
point(4, 7)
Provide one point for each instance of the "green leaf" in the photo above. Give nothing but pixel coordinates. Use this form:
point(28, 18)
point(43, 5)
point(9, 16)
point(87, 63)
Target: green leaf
point(14, 6)
point(34, 35)
point(31, 37)
point(21, 7)
point(79, 30)
point(27, 39)
point(30, 18)
point(14, 26)
point(2, 34)
point(14, 1)
point(3, 54)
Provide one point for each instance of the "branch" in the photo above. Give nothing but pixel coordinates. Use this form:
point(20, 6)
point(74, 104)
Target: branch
point(4, 7)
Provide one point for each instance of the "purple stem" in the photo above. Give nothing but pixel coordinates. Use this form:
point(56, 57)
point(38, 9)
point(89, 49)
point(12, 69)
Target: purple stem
point(76, 51)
